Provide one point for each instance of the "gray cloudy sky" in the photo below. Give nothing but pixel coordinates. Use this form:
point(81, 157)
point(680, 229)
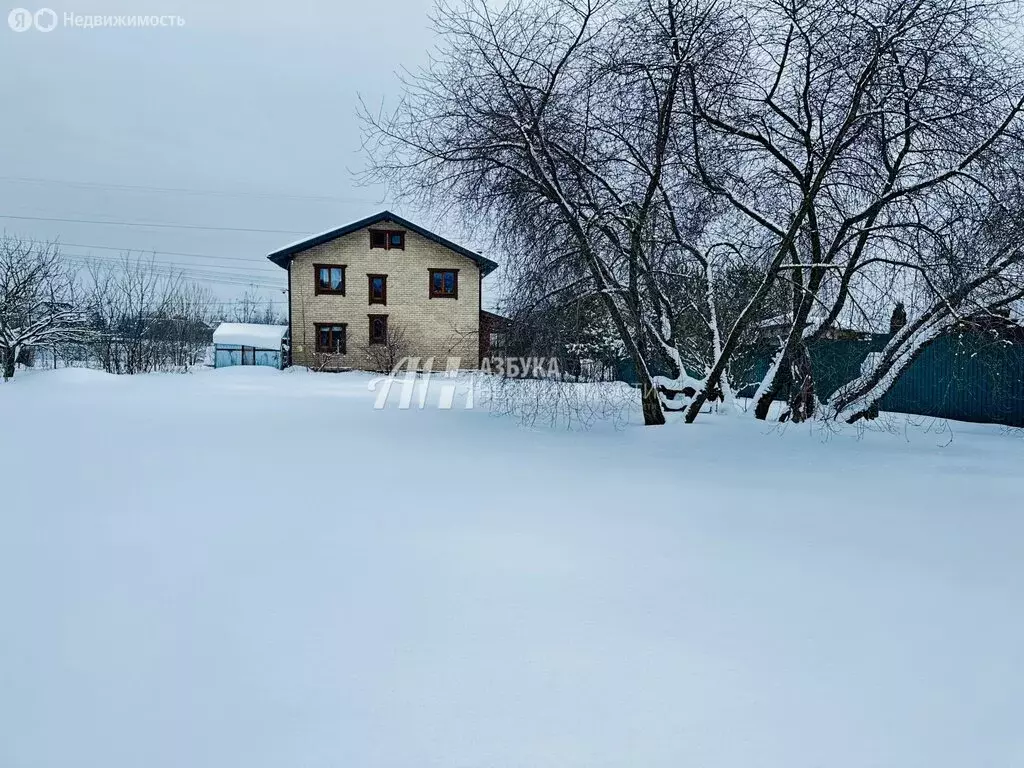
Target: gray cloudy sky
point(253, 101)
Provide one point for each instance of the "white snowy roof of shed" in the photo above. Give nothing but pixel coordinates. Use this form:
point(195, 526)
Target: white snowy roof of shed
point(250, 335)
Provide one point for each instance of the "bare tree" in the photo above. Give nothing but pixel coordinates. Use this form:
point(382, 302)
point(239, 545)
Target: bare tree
point(39, 304)
point(387, 355)
point(146, 319)
point(863, 129)
point(558, 122)
point(252, 308)
point(706, 168)
point(188, 329)
point(971, 281)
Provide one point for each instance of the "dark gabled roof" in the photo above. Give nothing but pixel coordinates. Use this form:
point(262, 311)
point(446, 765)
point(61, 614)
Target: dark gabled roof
point(282, 256)
point(494, 318)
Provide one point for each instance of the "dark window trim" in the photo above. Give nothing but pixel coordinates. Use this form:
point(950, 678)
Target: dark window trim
point(441, 295)
point(369, 289)
point(317, 290)
point(328, 351)
point(387, 239)
point(378, 317)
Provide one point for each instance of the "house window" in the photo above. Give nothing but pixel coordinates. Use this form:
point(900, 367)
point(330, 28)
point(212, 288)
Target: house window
point(387, 238)
point(330, 338)
point(444, 283)
point(330, 278)
point(378, 289)
point(378, 329)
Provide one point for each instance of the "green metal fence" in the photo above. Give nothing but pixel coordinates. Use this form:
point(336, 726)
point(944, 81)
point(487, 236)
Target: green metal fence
point(966, 376)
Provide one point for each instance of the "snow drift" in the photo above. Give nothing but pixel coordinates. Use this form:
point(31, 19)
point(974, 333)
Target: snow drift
point(256, 568)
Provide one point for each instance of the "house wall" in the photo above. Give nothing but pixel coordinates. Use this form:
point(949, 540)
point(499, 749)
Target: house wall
point(438, 328)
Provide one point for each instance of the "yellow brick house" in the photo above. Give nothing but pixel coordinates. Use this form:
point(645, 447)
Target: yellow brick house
point(370, 293)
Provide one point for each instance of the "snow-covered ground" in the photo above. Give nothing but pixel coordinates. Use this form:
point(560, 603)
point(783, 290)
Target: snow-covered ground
point(254, 568)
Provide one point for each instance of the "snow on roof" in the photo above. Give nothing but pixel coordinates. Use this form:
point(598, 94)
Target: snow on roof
point(786, 319)
point(250, 335)
point(281, 256)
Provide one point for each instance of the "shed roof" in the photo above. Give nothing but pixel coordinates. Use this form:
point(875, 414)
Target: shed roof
point(250, 335)
point(282, 256)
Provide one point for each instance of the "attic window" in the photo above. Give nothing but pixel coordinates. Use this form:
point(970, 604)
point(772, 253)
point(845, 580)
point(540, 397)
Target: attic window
point(387, 239)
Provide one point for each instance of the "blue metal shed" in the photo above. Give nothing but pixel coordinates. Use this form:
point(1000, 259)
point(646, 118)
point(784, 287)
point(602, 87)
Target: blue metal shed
point(250, 344)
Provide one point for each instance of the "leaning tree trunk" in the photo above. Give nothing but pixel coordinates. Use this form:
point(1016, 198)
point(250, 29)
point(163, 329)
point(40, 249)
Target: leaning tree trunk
point(650, 401)
point(795, 377)
point(801, 386)
point(10, 359)
point(860, 398)
point(780, 381)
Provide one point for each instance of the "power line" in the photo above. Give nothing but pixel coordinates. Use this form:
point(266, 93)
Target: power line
point(169, 269)
point(224, 273)
point(236, 302)
point(186, 190)
point(232, 302)
point(143, 258)
point(161, 225)
point(262, 262)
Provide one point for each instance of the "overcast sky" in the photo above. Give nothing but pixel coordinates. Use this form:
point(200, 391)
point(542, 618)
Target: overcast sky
point(242, 118)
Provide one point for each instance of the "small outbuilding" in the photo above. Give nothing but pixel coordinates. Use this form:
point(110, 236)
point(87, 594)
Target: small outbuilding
point(250, 344)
